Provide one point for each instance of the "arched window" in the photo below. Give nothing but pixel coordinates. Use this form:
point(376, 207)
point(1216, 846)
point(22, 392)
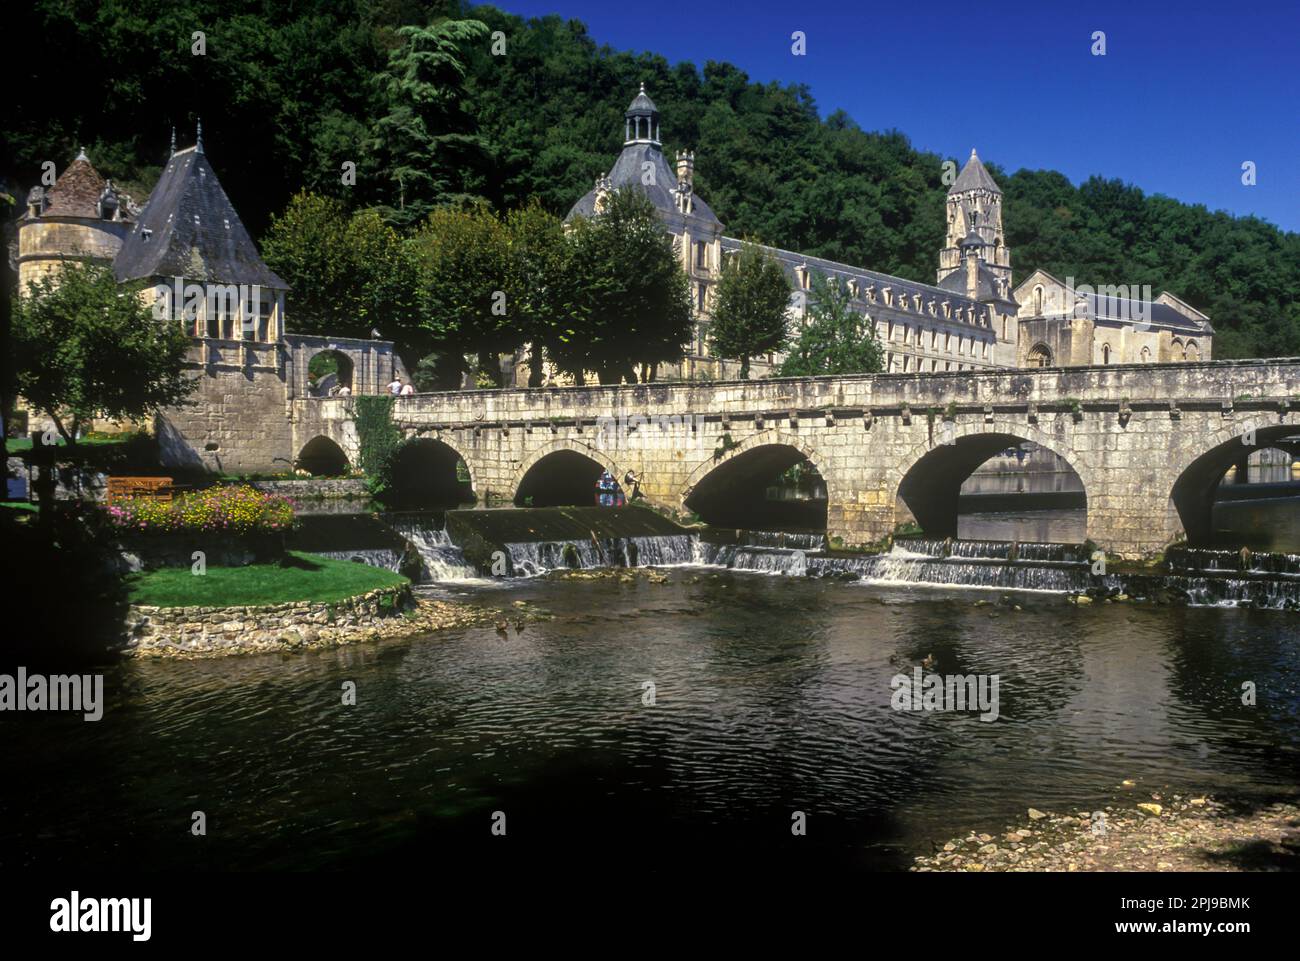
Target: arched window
point(1040, 356)
point(1105, 353)
point(1176, 350)
point(1192, 351)
point(1146, 355)
point(1038, 301)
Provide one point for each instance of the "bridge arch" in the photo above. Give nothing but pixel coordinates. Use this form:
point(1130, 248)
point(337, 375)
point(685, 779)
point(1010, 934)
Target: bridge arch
point(927, 478)
point(322, 457)
point(429, 472)
point(730, 490)
point(562, 472)
point(1197, 478)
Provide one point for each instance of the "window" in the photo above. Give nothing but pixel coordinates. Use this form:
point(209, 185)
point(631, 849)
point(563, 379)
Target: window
point(1040, 356)
point(1038, 301)
point(1105, 353)
point(701, 255)
point(699, 297)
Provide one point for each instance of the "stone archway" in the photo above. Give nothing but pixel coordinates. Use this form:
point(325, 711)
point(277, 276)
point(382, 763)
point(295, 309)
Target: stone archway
point(1194, 478)
point(730, 489)
point(927, 479)
point(562, 471)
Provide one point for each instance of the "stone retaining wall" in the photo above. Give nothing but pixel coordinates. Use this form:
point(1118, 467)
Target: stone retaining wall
point(216, 631)
point(352, 488)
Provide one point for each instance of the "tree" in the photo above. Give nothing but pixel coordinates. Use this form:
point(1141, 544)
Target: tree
point(426, 137)
point(84, 346)
point(835, 339)
point(462, 264)
point(749, 314)
point(542, 292)
point(348, 274)
point(635, 297)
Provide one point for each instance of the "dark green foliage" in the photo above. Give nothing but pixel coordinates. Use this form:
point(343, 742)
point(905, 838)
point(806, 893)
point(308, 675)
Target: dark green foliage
point(835, 339)
point(378, 440)
point(83, 346)
point(749, 312)
point(635, 305)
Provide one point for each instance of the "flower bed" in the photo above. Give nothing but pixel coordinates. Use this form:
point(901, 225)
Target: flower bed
point(216, 510)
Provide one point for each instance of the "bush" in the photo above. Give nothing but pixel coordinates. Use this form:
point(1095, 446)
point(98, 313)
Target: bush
point(233, 510)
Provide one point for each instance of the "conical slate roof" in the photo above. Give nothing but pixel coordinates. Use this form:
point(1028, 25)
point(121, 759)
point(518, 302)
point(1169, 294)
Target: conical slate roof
point(190, 229)
point(76, 192)
point(641, 105)
point(973, 176)
point(632, 170)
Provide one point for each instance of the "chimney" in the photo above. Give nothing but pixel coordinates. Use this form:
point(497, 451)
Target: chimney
point(686, 168)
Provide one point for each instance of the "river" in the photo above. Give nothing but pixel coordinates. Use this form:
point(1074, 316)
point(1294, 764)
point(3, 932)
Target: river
point(772, 695)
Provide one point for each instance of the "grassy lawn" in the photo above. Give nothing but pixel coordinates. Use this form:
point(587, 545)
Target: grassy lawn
point(306, 578)
point(16, 445)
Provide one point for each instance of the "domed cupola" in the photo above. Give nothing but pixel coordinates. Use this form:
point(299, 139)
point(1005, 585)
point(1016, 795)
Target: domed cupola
point(641, 121)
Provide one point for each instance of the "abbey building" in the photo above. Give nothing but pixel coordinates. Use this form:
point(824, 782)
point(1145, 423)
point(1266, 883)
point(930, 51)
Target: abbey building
point(972, 317)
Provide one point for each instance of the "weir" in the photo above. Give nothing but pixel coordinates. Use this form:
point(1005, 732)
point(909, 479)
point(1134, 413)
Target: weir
point(472, 544)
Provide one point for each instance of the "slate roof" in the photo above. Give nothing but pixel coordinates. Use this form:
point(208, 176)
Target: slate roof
point(973, 176)
point(986, 288)
point(901, 286)
point(1127, 310)
point(76, 192)
point(189, 229)
point(627, 173)
point(641, 105)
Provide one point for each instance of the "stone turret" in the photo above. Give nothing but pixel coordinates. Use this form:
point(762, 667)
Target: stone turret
point(82, 217)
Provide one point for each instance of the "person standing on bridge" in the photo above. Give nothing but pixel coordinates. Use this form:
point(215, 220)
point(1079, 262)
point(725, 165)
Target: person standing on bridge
point(395, 386)
point(408, 389)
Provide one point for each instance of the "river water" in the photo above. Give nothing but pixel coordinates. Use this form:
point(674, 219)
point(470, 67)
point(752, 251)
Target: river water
point(772, 695)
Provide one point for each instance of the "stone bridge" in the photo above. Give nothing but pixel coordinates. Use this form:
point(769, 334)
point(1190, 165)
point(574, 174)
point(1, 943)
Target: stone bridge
point(1150, 443)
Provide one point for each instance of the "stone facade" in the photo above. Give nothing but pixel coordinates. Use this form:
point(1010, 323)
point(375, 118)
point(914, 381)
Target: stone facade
point(1148, 443)
point(971, 318)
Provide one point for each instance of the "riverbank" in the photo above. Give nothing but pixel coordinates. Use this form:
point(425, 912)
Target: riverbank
point(1154, 832)
point(189, 633)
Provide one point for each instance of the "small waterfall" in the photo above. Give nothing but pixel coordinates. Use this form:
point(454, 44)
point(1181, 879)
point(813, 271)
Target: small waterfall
point(1188, 559)
point(906, 567)
point(991, 550)
point(797, 540)
point(440, 559)
point(530, 558)
point(376, 557)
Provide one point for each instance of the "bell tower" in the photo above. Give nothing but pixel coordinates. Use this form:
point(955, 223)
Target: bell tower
point(975, 211)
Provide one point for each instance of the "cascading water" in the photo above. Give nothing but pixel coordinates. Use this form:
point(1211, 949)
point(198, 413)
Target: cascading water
point(537, 557)
point(384, 557)
point(440, 559)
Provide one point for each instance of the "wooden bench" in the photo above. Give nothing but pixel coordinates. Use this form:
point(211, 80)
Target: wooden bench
point(125, 488)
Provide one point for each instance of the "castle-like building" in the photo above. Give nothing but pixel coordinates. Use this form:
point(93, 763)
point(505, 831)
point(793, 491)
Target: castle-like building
point(195, 264)
point(972, 316)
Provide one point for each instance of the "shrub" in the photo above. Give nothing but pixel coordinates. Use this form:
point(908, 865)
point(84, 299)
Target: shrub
point(234, 510)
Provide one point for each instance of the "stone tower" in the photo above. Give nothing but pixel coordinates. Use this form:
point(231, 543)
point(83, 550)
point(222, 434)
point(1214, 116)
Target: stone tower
point(82, 217)
point(975, 208)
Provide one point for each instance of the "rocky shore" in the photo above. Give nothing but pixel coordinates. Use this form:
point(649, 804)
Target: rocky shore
point(1156, 832)
point(189, 633)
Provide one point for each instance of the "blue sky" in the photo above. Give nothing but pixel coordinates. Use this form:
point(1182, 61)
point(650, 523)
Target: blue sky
point(1186, 93)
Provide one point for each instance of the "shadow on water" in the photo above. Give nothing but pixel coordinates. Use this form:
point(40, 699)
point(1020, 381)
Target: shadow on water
point(66, 601)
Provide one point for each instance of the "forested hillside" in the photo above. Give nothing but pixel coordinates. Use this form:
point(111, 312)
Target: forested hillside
point(289, 92)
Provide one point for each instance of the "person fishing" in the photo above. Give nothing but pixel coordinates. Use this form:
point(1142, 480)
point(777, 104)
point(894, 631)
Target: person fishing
point(633, 483)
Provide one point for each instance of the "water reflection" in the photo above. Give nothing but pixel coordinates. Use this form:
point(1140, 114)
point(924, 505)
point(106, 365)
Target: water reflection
point(772, 695)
